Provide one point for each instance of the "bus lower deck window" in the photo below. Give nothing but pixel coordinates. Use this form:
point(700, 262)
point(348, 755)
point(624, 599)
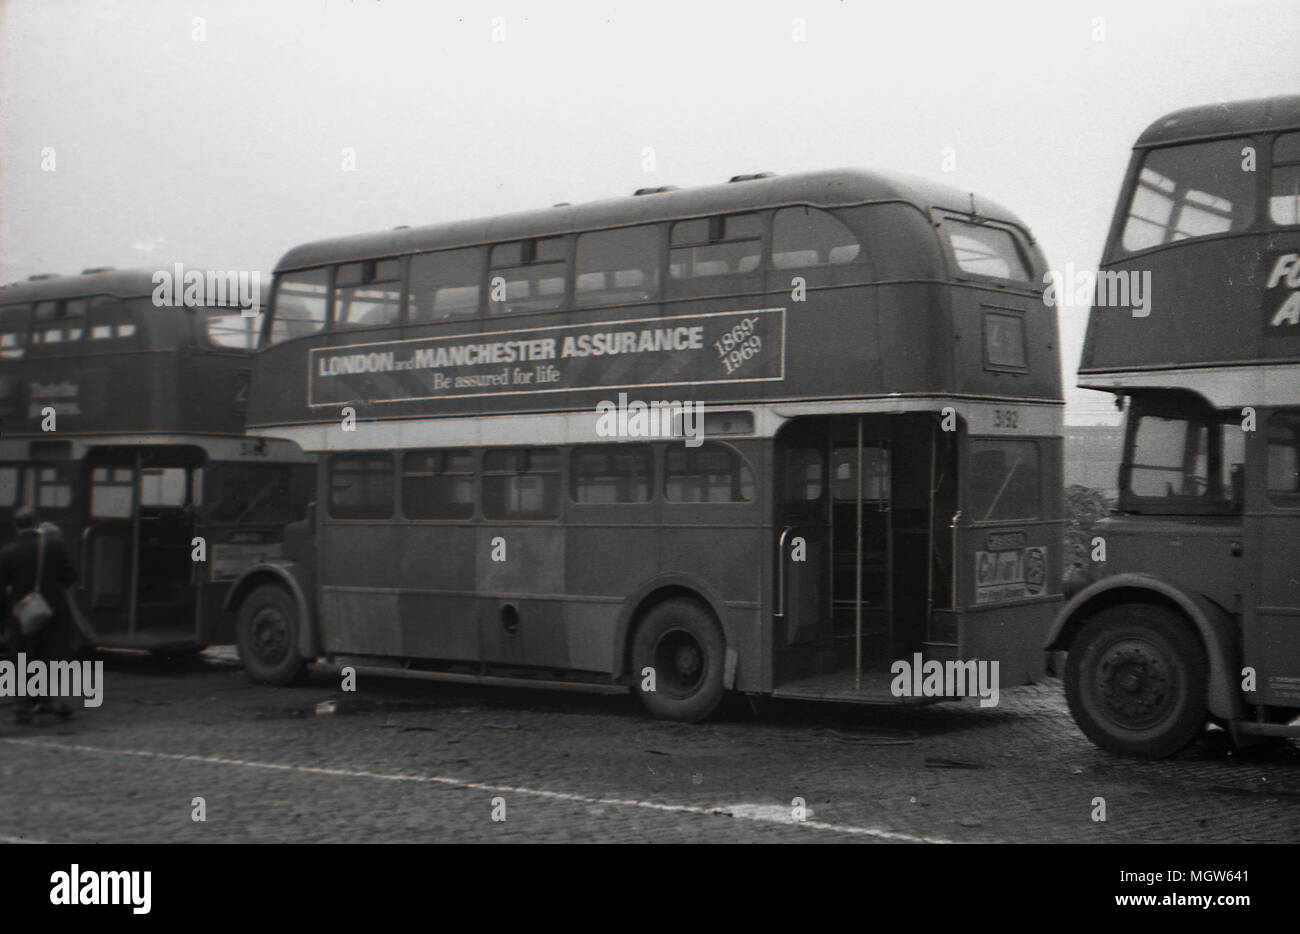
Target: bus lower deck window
point(613, 473)
point(711, 473)
point(361, 486)
point(521, 483)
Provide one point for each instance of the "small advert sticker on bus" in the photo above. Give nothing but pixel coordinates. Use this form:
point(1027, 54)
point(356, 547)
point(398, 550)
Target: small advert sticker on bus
point(1010, 575)
point(733, 346)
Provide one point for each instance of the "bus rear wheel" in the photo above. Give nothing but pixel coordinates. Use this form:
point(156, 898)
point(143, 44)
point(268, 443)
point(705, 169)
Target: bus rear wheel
point(267, 632)
point(679, 640)
point(1136, 679)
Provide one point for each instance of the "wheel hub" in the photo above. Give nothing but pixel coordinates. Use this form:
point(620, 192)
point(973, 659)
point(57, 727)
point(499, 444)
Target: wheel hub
point(270, 635)
point(1135, 683)
point(679, 659)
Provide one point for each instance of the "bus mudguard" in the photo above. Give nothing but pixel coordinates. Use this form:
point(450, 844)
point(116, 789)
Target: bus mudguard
point(295, 579)
point(1213, 624)
point(671, 585)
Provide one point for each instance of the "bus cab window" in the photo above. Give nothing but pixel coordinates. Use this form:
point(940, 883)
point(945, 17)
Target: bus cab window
point(533, 273)
point(1194, 190)
point(1284, 196)
point(715, 246)
point(300, 304)
point(803, 237)
point(710, 473)
point(617, 266)
point(14, 322)
point(445, 285)
point(368, 294)
point(1284, 457)
point(1170, 457)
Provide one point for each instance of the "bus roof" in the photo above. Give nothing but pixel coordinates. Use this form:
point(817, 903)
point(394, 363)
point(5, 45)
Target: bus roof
point(832, 188)
point(120, 283)
point(1208, 121)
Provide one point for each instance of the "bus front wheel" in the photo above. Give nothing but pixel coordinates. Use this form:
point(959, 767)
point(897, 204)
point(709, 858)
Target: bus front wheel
point(678, 661)
point(267, 629)
point(1136, 679)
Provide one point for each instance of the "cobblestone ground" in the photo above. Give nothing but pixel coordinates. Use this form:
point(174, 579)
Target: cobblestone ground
point(418, 761)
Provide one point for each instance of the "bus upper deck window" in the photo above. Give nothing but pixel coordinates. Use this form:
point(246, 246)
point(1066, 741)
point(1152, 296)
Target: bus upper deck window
point(300, 304)
point(617, 266)
point(533, 275)
point(716, 246)
point(230, 327)
point(110, 318)
point(803, 237)
point(14, 322)
point(985, 250)
point(1284, 193)
point(445, 285)
point(368, 294)
point(1195, 190)
point(59, 322)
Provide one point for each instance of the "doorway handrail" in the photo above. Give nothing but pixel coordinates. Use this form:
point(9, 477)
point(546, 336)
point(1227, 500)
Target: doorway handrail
point(780, 572)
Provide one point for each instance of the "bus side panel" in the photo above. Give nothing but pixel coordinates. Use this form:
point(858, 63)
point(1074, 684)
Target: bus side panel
point(731, 560)
point(437, 569)
point(1013, 636)
point(521, 567)
point(608, 562)
point(359, 609)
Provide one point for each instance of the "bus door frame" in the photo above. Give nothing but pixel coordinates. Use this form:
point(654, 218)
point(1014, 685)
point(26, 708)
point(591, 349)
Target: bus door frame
point(816, 624)
point(108, 458)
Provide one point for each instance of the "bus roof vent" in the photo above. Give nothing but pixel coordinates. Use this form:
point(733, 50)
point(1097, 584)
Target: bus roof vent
point(94, 269)
point(654, 191)
point(751, 177)
point(562, 204)
point(402, 227)
point(42, 275)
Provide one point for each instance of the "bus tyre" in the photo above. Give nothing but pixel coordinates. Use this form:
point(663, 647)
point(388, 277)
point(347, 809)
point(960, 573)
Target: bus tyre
point(1136, 679)
point(267, 630)
point(684, 646)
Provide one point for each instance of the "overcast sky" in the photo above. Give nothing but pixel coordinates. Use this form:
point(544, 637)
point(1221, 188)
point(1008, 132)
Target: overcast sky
point(219, 133)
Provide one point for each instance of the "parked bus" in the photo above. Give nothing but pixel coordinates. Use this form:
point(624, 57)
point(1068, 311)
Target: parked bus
point(875, 479)
point(1194, 613)
point(122, 423)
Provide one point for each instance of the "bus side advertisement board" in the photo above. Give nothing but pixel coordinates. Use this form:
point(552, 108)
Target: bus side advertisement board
point(725, 347)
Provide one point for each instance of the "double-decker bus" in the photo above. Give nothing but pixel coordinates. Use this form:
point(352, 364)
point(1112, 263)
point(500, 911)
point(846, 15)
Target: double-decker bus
point(1194, 613)
point(122, 423)
point(516, 477)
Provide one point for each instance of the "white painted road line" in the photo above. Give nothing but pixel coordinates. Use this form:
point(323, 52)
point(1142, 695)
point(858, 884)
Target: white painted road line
point(746, 813)
point(5, 838)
